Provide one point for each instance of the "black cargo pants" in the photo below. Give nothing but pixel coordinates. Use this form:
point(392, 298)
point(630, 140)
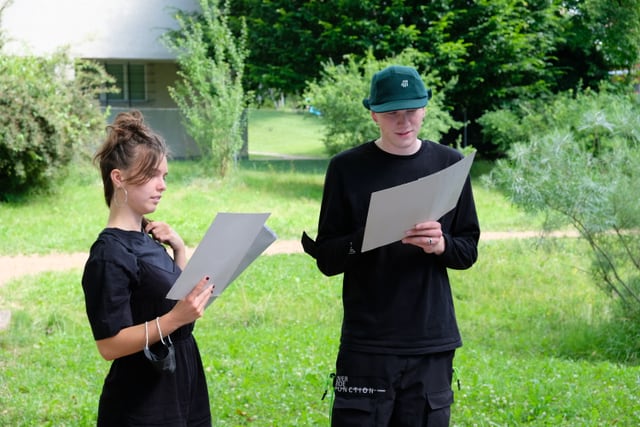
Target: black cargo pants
point(381, 390)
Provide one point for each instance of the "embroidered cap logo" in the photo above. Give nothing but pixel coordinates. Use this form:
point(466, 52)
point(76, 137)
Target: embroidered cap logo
point(405, 83)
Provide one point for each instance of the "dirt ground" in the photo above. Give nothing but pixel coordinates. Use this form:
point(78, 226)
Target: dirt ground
point(12, 267)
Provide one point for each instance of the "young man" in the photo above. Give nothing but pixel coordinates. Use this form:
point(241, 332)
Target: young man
point(399, 331)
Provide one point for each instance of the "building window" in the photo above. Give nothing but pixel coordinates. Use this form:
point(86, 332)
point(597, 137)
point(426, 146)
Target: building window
point(130, 79)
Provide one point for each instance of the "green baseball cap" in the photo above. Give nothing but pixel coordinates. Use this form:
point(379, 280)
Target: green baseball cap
point(396, 88)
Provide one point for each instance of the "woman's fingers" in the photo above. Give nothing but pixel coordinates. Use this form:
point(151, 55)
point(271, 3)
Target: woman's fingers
point(201, 293)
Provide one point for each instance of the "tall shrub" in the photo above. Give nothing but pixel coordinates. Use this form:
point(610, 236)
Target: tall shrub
point(209, 91)
point(48, 113)
point(339, 93)
point(583, 168)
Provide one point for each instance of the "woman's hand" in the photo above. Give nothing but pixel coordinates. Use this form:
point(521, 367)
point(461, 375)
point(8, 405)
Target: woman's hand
point(163, 233)
point(426, 235)
point(191, 307)
point(132, 339)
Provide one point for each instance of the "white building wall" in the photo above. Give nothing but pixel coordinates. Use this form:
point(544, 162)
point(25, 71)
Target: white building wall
point(116, 29)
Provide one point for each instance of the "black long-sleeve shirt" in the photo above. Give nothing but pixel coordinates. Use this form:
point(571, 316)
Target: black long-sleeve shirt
point(396, 298)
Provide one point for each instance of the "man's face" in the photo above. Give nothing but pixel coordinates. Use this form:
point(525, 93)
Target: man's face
point(399, 130)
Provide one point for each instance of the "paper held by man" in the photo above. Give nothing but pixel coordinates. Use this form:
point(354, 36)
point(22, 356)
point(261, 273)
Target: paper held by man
point(395, 210)
point(232, 242)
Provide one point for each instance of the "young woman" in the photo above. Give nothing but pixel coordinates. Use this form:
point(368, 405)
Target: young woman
point(156, 377)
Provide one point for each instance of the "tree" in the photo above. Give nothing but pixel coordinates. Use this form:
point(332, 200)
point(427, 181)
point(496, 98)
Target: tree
point(291, 40)
point(505, 48)
point(498, 51)
point(598, 36)
point(209, 91)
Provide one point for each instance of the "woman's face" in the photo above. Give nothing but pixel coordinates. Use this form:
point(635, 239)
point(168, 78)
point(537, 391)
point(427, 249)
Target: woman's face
point(144, 198)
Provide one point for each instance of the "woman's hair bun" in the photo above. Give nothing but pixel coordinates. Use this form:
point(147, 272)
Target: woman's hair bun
point(129, 125)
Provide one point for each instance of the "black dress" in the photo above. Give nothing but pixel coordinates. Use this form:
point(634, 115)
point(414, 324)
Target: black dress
point(125, 281)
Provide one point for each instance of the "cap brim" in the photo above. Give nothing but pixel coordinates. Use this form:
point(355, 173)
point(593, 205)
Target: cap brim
point(404, 104)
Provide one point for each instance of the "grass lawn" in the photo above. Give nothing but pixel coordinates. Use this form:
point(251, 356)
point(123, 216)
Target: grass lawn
point(535, 353)
point(284, 132)
point(542, 346)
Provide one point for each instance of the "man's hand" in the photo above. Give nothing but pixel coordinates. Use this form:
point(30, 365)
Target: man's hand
point(426, 235)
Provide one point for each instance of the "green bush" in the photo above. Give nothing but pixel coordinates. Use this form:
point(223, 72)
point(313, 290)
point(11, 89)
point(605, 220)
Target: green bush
point(46, 117)
point(589, 114)
point(582, 167)
point(339, 93)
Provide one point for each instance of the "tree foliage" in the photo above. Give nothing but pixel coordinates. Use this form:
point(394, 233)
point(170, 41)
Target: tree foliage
point(290, 40)
point(209, 91)
point(497, 51)
point(580, 165)
point(339, 94)
point(505, 55)
point(48, 114)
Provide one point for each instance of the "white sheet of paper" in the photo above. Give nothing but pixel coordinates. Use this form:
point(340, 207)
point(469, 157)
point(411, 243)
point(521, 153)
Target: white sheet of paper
point(395, 210)
point(232, 242)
